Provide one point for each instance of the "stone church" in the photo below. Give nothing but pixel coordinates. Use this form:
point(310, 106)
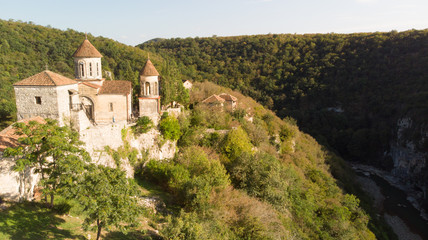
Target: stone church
point(88, 99)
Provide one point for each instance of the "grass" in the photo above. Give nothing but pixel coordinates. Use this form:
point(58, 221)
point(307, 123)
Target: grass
point(33, 220)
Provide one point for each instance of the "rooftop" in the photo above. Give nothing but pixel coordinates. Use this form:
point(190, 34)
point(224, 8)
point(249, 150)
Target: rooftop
point(213, 98)
point(116, 87)
point(149, 69)
point(8, 137)
point(86, 49)
point(228, 97)
point(46, 78)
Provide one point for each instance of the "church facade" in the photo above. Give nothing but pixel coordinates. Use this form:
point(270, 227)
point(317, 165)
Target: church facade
point(88, 99)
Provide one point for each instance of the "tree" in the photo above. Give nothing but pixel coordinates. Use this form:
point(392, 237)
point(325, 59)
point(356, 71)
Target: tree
point(169, 127)
point(236, 143)
point(108, 198)
point(55, 152)
point(143, 125)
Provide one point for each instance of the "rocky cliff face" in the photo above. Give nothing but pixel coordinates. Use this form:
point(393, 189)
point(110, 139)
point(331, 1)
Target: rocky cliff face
point(409, 153)
point(98, 137)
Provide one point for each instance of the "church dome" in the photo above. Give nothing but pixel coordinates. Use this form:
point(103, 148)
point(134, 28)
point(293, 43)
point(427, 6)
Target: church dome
point(87, 50)
point(149, 69)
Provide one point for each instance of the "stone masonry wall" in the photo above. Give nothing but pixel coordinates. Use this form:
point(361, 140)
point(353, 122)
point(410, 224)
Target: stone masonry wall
point(120, 111)
point(148, 107)
point(16, 186)
point(26, 102)
point(64, 101)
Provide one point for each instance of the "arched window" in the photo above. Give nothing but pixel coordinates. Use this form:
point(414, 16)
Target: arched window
point(82, 69)
point(147, 88)
point(90, 69)
point(98, 70)
point(155, 90)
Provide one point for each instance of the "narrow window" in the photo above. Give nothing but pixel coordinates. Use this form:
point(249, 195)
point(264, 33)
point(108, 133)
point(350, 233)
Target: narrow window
point(147, 88)
point(82, 71)
point(39, 100)
point(90, 69)
point(111, 107)
point(98, 70)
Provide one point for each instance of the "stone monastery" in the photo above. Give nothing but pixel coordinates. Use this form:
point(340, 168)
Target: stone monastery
point(88, 99)
point(99, 109)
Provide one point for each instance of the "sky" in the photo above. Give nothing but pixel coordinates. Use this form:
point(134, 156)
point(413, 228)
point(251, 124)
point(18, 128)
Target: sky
point(133, 22)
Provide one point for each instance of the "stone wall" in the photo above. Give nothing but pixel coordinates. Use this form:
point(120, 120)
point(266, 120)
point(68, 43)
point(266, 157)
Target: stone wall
point(121, 108)
point(16, 186)
point(26, 102)
point(148, 106)
point(63, 100)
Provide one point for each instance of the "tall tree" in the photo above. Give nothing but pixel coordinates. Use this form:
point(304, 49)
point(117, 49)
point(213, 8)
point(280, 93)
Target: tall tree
point(108, 198)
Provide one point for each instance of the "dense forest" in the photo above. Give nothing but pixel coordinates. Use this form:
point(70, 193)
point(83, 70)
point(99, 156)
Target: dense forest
point(347, 90)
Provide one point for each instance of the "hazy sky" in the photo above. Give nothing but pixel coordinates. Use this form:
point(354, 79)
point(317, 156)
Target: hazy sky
point(133, 22)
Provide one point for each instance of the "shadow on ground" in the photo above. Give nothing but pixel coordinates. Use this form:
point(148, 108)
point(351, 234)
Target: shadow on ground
point(133, 235)
point(32, 221)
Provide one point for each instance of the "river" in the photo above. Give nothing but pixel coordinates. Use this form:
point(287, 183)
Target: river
point(394, 205)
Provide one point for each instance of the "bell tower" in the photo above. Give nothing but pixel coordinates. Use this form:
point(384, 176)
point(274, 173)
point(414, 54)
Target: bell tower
point(149, 100)
point(87, 62)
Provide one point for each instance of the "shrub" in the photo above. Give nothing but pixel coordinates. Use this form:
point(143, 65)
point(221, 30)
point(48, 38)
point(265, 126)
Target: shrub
point(236, 143)
point(169, 127)
point(143, 125)
point(286, 133)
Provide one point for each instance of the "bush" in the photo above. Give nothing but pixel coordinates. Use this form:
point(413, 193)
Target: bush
point(236, 143)
point(143, 125)
point(186, 226)
point(169, 127)
point(286, 133)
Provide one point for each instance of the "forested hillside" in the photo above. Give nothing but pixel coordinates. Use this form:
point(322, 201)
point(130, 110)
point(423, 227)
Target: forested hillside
point(347, 90)
point(27, 49)
point(253, 179)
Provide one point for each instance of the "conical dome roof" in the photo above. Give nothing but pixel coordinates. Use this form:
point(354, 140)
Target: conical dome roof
point(149, 69)
point(86, 49)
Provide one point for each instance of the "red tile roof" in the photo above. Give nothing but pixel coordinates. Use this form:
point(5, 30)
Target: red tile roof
point(8, 137)
point(46, 78)
point(90, 85)
point(228, 97)
point(86, 49)
point(116, 87)
point(213, 98)
point(149, 69)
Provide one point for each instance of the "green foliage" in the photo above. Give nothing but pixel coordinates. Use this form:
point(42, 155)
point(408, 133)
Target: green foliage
point(55, 152)
point(262, 176)
point(108, 199)
point(124, 152)
point(184, 227)
point(143, 125)
point(337, 86)
point(169, 127)
point(191, 177)
point(286, 133)
point(236, 143)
